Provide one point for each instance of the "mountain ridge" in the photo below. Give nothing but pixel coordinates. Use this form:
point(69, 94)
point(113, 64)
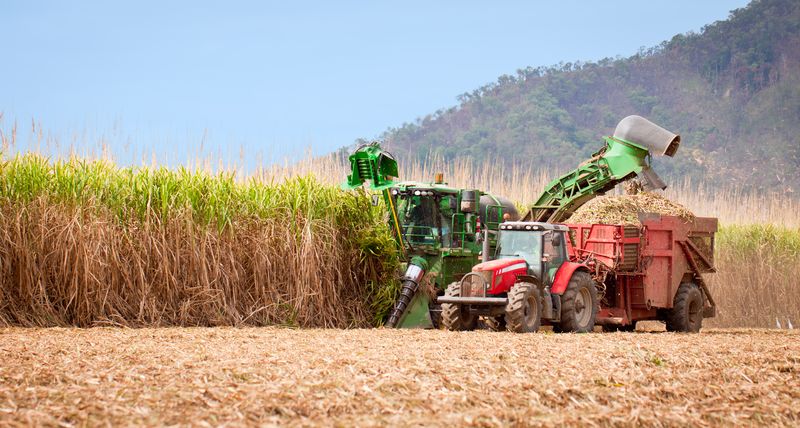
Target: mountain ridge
point(731, 90)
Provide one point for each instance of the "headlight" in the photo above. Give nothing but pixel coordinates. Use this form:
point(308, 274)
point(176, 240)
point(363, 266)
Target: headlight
point(487, 279)
point(417, 193)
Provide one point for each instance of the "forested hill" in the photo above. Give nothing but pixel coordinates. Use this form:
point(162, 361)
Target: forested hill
point(732, 91)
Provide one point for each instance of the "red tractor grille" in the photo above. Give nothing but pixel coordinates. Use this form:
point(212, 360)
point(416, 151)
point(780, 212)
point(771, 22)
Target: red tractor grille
point(474, 284)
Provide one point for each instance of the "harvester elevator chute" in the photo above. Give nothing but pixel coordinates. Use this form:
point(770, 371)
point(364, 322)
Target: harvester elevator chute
point(624, 156)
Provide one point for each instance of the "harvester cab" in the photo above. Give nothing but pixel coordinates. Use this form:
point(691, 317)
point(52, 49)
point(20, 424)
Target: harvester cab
point(436, 229)
point(531, 279)
point(539, 245)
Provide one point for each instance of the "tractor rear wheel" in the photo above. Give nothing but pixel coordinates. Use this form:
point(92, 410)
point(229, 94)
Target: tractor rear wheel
point(496, 323)
point(686, 314)
point(454, 316)
point(579, 304)
point(524, 308)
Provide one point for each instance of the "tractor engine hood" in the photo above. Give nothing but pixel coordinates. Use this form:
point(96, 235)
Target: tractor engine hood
point(501, 274)
point(500, 265)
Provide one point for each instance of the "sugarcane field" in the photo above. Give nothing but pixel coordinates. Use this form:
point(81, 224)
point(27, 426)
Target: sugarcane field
point(209, 215)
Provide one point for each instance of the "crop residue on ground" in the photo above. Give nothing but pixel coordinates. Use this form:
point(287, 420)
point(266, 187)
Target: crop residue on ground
point(390, 377)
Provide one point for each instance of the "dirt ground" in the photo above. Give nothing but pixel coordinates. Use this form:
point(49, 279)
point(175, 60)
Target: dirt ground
point(266, 376)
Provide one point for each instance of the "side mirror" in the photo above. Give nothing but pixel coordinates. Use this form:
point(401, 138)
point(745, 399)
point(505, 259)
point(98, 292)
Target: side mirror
point(558, 239)
point(375, 200)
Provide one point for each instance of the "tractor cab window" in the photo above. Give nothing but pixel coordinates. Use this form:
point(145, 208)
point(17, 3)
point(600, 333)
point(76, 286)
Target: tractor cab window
point(524, 244)
point(554, 252)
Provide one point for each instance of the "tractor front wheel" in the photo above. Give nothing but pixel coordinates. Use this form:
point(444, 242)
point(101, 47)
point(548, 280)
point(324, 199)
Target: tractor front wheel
point(686, 314)
point(579, 304)
point(524, 308)
point(454, 316)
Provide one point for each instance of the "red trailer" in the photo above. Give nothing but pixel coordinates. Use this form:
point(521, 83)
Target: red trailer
point(576, 276)
point(644, 272)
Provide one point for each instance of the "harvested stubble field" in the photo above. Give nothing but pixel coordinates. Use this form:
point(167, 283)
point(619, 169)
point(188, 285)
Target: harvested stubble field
point(200, 376)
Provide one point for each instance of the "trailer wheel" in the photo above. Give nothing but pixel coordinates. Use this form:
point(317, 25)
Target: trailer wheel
point(497, 323)
point(524, 308)
point(579, 304)
point(454, 316)
point(686, 314)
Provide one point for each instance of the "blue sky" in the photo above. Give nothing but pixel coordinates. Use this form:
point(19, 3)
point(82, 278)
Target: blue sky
point(280, 77)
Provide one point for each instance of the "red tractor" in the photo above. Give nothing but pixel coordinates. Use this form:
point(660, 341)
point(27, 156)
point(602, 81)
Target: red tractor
point(579, 275)
point(516, 289)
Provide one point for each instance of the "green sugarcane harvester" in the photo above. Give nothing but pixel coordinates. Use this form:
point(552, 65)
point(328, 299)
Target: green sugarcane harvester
point(443, 231)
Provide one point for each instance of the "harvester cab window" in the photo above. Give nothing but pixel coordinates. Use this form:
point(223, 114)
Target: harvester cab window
point(419, 219)
point(446, 216)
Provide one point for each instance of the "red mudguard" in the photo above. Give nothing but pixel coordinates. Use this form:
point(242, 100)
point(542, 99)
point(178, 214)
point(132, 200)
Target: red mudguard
point(563, 276)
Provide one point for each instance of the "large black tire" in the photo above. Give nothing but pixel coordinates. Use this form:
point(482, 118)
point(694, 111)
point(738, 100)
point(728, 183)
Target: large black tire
point(579, 304)
point(524, 308)
point(496, 323)
point(686, 314)
point(454, 317)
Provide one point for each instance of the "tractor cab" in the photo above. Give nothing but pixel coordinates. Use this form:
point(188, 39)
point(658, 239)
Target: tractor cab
point(530, 280)
point(540, 245)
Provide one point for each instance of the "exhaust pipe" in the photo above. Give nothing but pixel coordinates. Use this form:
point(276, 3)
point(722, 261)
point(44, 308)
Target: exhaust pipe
point(641, 131)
